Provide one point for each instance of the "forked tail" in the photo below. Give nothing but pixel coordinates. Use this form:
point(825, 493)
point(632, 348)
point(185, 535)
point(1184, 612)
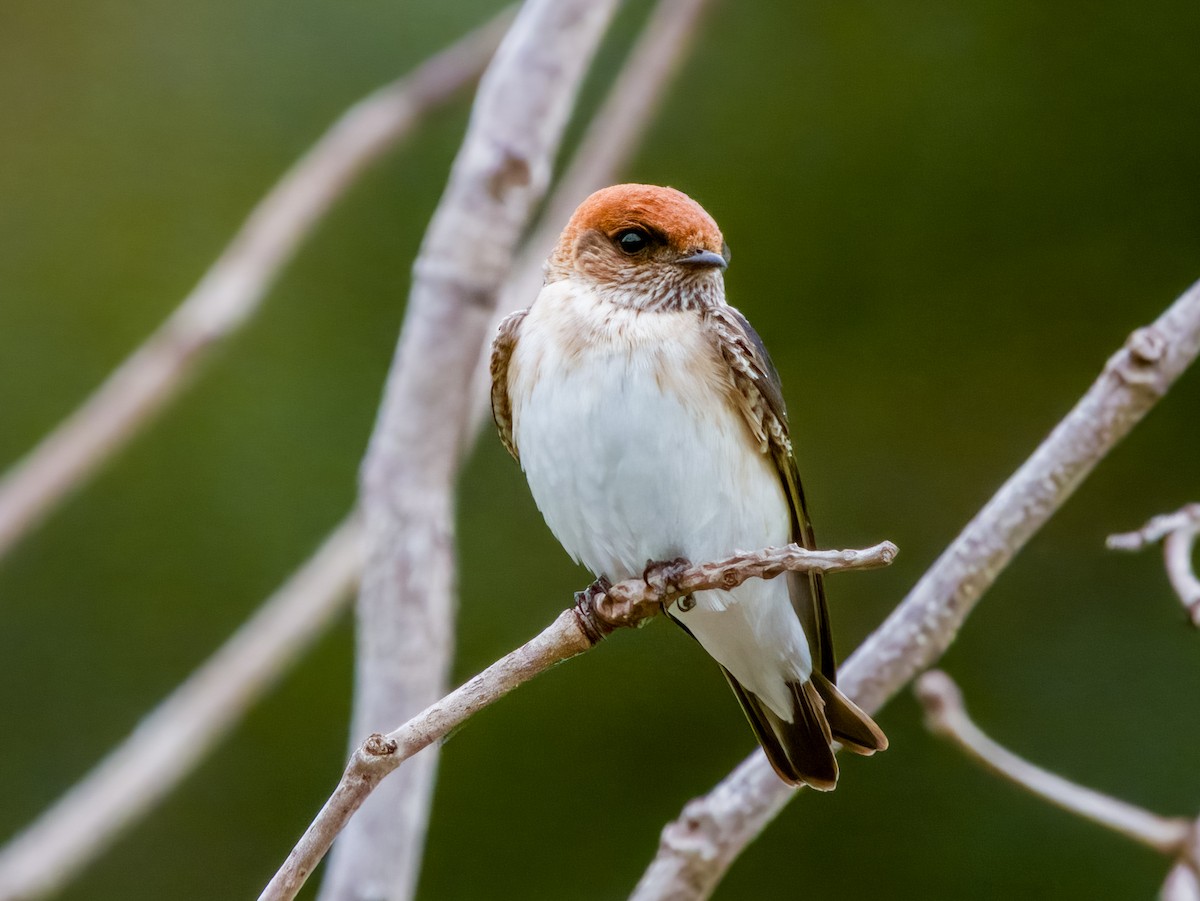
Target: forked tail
point(801, 751)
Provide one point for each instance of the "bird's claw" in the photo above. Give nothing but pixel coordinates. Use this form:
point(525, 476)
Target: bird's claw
point(587, 609)
point(664, 575)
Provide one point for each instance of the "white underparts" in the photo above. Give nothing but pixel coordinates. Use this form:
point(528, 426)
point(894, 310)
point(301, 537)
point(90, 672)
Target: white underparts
point(634, 453)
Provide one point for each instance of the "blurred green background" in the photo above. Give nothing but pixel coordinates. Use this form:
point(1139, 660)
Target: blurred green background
point(944, 218)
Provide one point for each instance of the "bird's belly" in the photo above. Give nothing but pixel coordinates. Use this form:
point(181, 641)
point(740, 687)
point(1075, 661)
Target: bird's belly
point(634, 453)
point(626, 470)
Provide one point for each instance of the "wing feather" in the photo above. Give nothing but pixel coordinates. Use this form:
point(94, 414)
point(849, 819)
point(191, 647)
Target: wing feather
point(502, 350)
point(758, 393)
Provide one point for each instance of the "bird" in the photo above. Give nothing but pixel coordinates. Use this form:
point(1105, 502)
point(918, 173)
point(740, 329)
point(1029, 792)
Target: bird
point(650, 424)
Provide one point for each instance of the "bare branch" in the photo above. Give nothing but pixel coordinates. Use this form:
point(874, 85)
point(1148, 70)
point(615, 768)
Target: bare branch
point(625, 598)
point(407, 603)
point(1154, 531)
point(82, 824)
point(1177, 552)
point(945, 715)
point(170, 741)
point(234, 287)
point(1177, 531)
point(1183, 882)
point(380, 755)
point(697, 849)
point(624, 605)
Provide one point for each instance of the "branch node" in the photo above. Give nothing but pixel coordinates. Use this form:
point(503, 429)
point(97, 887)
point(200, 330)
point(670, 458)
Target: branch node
point(939, 697)
point(690, 835)
point(512, 170)
point(1138, 363)
point(378, 745)
point(1147, 345)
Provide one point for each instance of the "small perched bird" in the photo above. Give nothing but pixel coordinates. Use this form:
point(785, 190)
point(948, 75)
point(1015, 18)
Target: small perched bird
point(650, 424)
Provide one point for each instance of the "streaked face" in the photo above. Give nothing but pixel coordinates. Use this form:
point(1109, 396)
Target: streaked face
point(646, 247)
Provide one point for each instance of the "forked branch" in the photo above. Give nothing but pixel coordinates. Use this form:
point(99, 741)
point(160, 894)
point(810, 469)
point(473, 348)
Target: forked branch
point(576, 630)
point(1177, 531)
point(54, 849)
point(235, 286)
point(946, 715)
point(180, 732)
point(406, 608)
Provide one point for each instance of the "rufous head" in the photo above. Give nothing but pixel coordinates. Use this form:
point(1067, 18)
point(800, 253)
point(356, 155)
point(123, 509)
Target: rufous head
point(643, 246)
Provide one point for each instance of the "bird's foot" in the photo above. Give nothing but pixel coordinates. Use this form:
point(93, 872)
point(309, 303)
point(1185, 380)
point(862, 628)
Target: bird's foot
point(588, 611)
point(663, 576)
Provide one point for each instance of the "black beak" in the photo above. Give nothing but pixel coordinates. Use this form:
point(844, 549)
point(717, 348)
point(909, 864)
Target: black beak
point(704, 259)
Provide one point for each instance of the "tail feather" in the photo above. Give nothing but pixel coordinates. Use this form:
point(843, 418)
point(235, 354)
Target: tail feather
point(849, 724)
point(798, 751)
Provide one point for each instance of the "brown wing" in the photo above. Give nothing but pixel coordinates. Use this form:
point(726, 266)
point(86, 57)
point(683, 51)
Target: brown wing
point(502, 348)
point(759, 396)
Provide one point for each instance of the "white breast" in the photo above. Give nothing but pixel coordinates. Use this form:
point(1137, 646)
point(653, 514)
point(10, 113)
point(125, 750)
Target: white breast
point(633, 453)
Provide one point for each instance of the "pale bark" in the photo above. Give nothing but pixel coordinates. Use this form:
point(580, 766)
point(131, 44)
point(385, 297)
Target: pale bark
point(1178, 532)
point(946, 715)
point(234, 287)
point(85, 821)
point(407, 604)
point(1183, 882)
point(624, 605)
point(178, 733)
point(698, 848)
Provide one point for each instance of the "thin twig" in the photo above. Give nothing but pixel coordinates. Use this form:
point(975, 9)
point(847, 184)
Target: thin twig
point(625, 605)
point(234, 287)
point(731, 572)
point(946, 715)
point(380, 755)
point(182, 729)
point(407, 603)
point(1177, 557)
point(698, 848)
point(1156, 529)
point(1178, 532)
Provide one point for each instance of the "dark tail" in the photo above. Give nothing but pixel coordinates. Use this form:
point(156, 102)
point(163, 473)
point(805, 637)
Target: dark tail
point(801, 751)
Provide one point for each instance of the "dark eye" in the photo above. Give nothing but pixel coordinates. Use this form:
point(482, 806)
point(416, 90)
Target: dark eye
point(632, 240)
